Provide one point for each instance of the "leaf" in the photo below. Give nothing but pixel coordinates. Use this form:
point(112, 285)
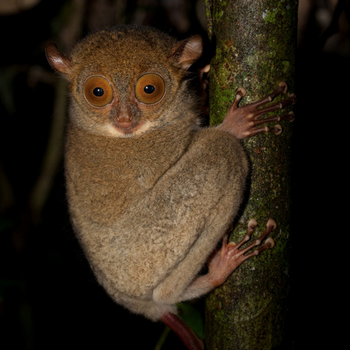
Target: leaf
point(192, 317)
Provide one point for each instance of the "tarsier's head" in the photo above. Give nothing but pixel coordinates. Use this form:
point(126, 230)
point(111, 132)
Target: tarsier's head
point(122, 80)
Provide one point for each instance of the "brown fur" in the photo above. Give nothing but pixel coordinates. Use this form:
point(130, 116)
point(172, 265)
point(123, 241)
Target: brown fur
point(148, 206)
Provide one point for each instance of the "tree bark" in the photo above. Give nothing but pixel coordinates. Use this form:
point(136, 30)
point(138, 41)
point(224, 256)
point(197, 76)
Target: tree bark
point(255, 44)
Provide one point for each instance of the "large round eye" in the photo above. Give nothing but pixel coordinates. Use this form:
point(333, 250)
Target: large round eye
point(98, 91)
point(149, 88)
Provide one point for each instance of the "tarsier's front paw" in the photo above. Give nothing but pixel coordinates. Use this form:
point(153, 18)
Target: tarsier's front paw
point(244, 121)
point(224, 261)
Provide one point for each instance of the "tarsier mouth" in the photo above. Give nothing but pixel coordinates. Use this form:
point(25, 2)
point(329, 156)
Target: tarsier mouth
point(129, 127)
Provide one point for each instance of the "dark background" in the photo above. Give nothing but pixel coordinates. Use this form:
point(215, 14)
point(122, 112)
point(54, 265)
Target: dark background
point(49, 298)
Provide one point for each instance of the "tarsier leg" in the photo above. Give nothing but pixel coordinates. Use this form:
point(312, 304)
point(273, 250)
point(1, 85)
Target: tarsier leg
point(221, 264)
point(244, 121)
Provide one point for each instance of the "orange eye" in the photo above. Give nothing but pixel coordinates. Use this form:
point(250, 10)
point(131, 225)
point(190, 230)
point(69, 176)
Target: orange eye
point(98, 91)
point(149, 88)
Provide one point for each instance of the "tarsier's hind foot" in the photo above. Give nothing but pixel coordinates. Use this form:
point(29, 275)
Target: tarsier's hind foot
point(224, 261)
point(221, 264)
point(245, 121)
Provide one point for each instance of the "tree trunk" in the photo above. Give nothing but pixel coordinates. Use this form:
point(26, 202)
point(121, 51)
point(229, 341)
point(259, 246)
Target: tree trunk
point(255, 48)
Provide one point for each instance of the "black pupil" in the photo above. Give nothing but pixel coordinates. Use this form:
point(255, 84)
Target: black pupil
point(149, 89)
point(98, 92)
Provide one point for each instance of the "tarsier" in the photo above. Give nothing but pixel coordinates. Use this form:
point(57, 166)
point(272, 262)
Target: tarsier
point(150, 191)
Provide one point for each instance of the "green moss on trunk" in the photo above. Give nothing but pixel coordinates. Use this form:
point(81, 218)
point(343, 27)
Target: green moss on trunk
point(255, 48)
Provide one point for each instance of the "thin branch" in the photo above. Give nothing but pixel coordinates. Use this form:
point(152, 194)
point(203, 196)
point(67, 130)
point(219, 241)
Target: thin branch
point(333, 28)
point(53, 154)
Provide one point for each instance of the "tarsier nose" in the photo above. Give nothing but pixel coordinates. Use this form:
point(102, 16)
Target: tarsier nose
point(124, 118)
point(124, 115)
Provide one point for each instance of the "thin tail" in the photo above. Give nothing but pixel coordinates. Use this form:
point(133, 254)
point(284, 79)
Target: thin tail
point(184, 332)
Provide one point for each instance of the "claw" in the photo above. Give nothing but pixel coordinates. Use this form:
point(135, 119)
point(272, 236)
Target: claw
point(277, 130)
point(270, 243)
point(289, 116)
point(271, 223)
point(252, 224)
point(241, 91)
point(284, 85)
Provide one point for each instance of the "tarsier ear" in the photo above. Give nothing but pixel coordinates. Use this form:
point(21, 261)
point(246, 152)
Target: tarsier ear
point(57, 60)
point(186, 52)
